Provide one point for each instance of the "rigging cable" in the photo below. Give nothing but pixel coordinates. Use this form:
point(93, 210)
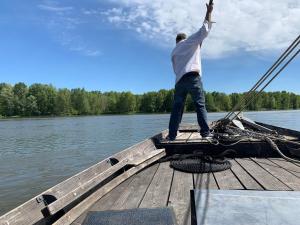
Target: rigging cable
point(249, 94)
point(267, 84)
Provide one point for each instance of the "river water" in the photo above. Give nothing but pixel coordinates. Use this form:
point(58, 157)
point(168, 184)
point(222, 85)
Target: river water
point(36, 154)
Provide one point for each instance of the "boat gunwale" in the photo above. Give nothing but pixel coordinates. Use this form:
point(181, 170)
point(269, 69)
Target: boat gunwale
point(5, 218)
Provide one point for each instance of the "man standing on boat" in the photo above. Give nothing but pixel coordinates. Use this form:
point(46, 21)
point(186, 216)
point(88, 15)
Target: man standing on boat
point(186, 60)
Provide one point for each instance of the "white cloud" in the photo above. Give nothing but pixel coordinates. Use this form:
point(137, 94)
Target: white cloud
point(55, 8)
point(85, 50)
point(63, 23)
point(242, 25)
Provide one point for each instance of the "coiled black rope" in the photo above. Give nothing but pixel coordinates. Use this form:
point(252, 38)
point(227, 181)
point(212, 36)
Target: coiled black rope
point(198, 162)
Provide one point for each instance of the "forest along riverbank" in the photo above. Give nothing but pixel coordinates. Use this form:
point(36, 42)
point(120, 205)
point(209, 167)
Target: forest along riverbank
point(46, 100)
point(36, 154)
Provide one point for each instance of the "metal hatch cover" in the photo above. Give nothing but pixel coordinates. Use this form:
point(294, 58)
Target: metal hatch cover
point(154, 216)
point(245, 207)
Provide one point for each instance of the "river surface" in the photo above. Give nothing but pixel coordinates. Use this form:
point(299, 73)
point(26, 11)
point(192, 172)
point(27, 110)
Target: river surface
point(36, 154)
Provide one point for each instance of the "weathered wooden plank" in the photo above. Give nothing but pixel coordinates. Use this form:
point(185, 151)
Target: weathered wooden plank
point(247, 181)
point(106, 202)
point(288, 178)
point(181, 137)
point(264, 178)
point(24, 214)
point(180, 197)
point(195, 137)
point(135, 191)
point(83, 188)
point(188, 126)
point(227, 180)
point(288, 166)
point(205, 181)
point(75, 212)
point(158, 191)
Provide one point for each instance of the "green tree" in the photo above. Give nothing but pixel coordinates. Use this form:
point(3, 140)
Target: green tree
point(168, 102)
point(222, 101)
point(138, 101)
point(6, 101)
point(20, 91)
point(293, 101)
point(80, 102)
point(45, 97)
point(112, 99)
point(98, 102)
point(285, 100)
point(160, 100)
point(210, 103)
point(235, 99)
point(148, 102)
point(31, 107)
point(126, 103)
point(63, 102)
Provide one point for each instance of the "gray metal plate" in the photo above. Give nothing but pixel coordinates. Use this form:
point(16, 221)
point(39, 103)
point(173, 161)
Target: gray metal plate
point(237, 207)
point(156, 216)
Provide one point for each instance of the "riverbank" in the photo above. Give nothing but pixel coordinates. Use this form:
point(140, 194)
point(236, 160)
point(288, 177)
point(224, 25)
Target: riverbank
point(128, 114)
point(46, 100)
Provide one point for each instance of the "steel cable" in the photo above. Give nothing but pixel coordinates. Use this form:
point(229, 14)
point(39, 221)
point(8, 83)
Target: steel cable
point(287, 52)
point(267, 84)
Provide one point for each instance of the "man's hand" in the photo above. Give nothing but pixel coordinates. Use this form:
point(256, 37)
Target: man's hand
point(209, 10)
point(209, 7)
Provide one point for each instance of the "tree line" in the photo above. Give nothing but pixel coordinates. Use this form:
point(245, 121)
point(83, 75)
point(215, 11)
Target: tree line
point(46, 100)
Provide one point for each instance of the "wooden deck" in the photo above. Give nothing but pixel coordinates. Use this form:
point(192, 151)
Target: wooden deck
point(160, 186)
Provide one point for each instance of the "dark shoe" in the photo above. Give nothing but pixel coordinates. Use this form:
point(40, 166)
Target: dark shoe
point(170, 139)
point(208, 136)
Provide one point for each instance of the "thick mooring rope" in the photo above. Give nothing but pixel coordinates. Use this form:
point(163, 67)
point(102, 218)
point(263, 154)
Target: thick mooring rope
point(275, 147)
point(269, 138)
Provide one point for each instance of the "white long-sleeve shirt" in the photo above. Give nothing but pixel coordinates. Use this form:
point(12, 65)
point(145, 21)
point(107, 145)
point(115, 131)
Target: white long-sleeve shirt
point(186, 55)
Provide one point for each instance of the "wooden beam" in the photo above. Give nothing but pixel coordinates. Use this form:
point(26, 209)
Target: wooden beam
point(227, 180)
point(264, 178)
point(180, 197)
point(158, 191)
point(286, 177)
point(247, 181)
point(205, 181)
point(132, 196)
point(106, 202)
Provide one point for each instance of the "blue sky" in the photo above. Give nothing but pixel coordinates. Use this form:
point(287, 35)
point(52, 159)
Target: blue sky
point(125, 45)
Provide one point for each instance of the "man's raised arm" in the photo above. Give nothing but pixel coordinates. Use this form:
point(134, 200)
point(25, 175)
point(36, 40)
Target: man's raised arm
point(201, 34)
point(209, 10)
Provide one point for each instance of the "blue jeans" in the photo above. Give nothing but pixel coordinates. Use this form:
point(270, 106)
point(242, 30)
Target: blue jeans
point(190, 83)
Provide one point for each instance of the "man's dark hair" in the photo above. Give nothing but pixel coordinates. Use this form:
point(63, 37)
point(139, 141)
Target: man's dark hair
point(180, 37)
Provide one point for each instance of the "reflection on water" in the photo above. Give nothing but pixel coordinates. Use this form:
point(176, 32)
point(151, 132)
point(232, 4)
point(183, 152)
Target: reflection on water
point(36, 154)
